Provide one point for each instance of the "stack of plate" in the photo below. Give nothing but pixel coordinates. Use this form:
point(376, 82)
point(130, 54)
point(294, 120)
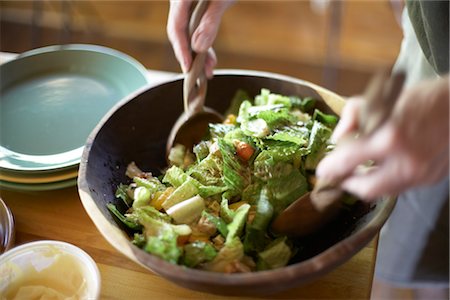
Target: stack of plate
point(51, 99)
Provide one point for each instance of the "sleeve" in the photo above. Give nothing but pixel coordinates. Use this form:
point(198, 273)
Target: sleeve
point(431, 25)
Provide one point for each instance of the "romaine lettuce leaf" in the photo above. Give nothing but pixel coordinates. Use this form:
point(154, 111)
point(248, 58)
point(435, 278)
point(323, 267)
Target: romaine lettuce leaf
point(161, 236)
point(326, 119)
point(198, 252)
point(164, 246)
point(121, 193)
point(141, 196)
point(257, 128)
point(201, 150)
point(237, 224)
point(251, 192)
point(267, 98)
point(230, 252)
point(276, 118)
point(235, 175)
point(306, 104)
point(255, 233)
point(219, 130)
point(177, 154)
point(269, 163)
point(293, 134)
point(175, 176)
point(129, 222)
point(220, 224)
point(225, 212)
point(318, 142)
point(185, 191)
point(285, 186)
point(208, 171)
point(276, 255)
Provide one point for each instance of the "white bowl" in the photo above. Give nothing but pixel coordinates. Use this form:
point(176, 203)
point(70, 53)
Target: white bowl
point(59, 265)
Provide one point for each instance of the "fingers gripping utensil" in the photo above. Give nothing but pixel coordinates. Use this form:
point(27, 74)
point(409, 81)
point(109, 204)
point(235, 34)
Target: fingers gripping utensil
point(315, 209)
point(191, 126)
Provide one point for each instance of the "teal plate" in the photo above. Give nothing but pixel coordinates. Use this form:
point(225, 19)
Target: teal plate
point(37, 187)
point(52, 98)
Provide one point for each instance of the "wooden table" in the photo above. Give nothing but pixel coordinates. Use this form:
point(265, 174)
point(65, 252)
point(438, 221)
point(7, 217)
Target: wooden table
point(59, 215)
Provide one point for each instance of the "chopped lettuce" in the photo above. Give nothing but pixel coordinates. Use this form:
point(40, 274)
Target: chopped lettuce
point(231, 252)
point(198, 252)
point(208, 171)
point(237, 224)
point(285, 186)
point(326, 119)
point(305, 105)
point(201, 150)
point(220, 130)
point(235, 175)
point(256, 236)
point(141, 196)
point(318, 142)
point(121, 193)
point(220, 224)
point(294, 134)
point(161, 236)
point(177, 154)
point(175, 176)
point(276, 118)
point(130, 223)
point(164, 246)
point(257, 128)
point(268, 98)
point(212, 208)
point(225, 212)
point(152, 184)
point(276, 255)
point(185, 191)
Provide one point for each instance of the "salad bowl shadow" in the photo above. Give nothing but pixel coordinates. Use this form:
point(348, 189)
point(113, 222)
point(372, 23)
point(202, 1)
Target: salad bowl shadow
point(136, 129)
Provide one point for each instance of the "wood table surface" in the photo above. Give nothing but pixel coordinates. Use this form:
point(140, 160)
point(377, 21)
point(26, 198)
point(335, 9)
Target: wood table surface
point(59, 215)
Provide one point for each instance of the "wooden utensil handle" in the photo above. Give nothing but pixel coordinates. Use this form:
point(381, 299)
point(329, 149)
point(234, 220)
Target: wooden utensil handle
point(195, 82)
point(380, 98)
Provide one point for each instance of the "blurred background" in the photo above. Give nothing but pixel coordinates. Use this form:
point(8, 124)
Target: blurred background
point(337, 44)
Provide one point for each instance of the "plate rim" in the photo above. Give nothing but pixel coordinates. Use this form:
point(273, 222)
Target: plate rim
point(7, 162)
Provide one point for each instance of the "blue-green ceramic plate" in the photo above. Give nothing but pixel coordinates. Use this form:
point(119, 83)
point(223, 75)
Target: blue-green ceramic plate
point(52, 97)
point(36, 187)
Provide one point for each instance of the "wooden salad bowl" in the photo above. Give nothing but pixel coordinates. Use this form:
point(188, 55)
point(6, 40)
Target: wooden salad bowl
point(137, 128)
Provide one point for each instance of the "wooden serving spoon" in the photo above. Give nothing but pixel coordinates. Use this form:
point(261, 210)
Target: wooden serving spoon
point(191, 126)
point(315, 209)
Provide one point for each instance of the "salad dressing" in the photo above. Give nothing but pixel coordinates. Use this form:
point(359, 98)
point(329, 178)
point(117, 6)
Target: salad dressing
point(60, 276)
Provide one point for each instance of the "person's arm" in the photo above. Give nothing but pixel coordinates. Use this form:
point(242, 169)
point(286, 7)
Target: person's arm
point(202, 38)
point(411, 149)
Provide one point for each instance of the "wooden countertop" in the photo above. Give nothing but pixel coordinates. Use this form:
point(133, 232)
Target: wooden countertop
point(59, 215)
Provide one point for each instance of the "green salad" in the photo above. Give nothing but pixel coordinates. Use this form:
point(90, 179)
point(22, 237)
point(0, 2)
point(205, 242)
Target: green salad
point(212, 207)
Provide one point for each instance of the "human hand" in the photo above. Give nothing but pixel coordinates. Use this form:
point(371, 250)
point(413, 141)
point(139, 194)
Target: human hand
point(411, 149)
point(202, 38)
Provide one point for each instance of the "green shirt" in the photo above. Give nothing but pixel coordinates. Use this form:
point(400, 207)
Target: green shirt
point(430, 22)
